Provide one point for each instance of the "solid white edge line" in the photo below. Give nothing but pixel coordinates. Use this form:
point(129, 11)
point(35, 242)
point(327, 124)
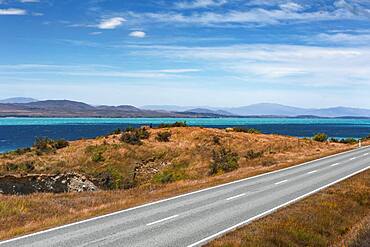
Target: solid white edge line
point(179, 196)
point(214, 236)
point(281, 182)
point(335, 164)
point(311, 172)
point(165, 219)
point(234, 197)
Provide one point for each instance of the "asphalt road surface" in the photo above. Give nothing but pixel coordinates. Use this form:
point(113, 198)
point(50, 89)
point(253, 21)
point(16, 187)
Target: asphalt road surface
point(196, 218)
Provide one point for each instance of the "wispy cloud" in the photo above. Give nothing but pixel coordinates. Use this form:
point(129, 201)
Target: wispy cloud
point(343, 38)
point(199, 4)
point(90, 71)
point(13, 11)
point(111, 23)
point(29, 1)
point(278, 64)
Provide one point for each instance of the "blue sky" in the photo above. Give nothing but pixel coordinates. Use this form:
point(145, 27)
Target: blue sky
point(187, 52)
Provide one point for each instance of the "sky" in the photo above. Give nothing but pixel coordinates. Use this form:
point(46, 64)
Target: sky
point(187, 52)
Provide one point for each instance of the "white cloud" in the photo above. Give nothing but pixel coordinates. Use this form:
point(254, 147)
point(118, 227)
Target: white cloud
point(252, 16)
point(138, 34)
point(278, 64)
point(199, 4)
point(12, 11)
point(92, 70)
point(291, 6)
point(111, 23)
point(344, 38)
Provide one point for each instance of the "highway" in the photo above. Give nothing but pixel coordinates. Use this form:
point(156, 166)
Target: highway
point(195, 218)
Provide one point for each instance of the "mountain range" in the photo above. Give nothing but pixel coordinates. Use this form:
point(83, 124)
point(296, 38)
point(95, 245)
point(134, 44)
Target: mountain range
point(28, 107)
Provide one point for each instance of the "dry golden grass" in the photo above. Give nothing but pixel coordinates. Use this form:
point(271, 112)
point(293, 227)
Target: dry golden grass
point(190, 146)
point(333, 217)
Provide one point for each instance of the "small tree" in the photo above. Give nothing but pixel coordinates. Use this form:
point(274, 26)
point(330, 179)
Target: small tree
point(224, 160)
point(320, 137)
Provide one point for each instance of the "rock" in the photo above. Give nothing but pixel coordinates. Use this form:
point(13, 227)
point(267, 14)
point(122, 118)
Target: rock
point(23, 185)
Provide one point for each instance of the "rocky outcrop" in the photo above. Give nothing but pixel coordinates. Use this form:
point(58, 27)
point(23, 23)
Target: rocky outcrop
point(28, 184)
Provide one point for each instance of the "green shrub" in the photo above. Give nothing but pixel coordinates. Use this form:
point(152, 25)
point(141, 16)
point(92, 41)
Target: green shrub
point(59, 144)
point(96, 152)
point(163, 136)
point(176, 124)
point(110, 179)
point(173, 173)
point(223, 160)
point(320, 137)
point(251, 154)
point(24, 166)
point(20, 151)
point(348, 141)
point(134, 136)
point(247, 130)
point(45, 144)
point(334, 140)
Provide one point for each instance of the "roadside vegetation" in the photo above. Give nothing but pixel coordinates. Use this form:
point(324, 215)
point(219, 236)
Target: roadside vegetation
point(337, 216)
point(150, 162)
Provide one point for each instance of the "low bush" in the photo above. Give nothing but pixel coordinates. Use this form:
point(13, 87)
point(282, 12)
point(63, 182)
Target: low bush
point(116, 131)
point(45, 144)
point(173, 173)
point(24, 166)
point(163, 136)
point(20, 151)
point(320, 137)
point(110, 179)
point(348, 141)
point(176, 124)
point(366, 138)
point(223, 160)
point(216, 140)
point(247, 130)
point(96, 152)
point(251, 154)
point(134, 136)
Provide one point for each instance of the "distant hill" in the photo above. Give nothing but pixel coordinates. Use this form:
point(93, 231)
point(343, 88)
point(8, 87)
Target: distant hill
point(208, 111)
point(67, 108)
point(17, 100)
point(270, 110)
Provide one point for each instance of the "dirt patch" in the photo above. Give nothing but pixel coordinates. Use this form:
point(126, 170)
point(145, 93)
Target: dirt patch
point(23, 185)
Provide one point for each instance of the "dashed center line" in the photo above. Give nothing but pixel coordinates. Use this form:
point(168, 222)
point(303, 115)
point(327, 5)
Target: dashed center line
point(159, 221)
point(312, 172)
point(335, 164)
point(281, 182)
point(366, 154)
point(234, 197)
point(353, 158)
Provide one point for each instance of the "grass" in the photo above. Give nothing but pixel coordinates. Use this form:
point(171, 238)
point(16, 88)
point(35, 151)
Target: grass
point(153, 170)
point(333, 217)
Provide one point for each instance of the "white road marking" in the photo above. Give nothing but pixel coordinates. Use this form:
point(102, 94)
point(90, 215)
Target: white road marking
point(159, 221)
point(366, 154)
point(243, 223)
point(335, 164)
point(353, 158)
point(234, 197)
point(281, 182)
point(312, 172)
